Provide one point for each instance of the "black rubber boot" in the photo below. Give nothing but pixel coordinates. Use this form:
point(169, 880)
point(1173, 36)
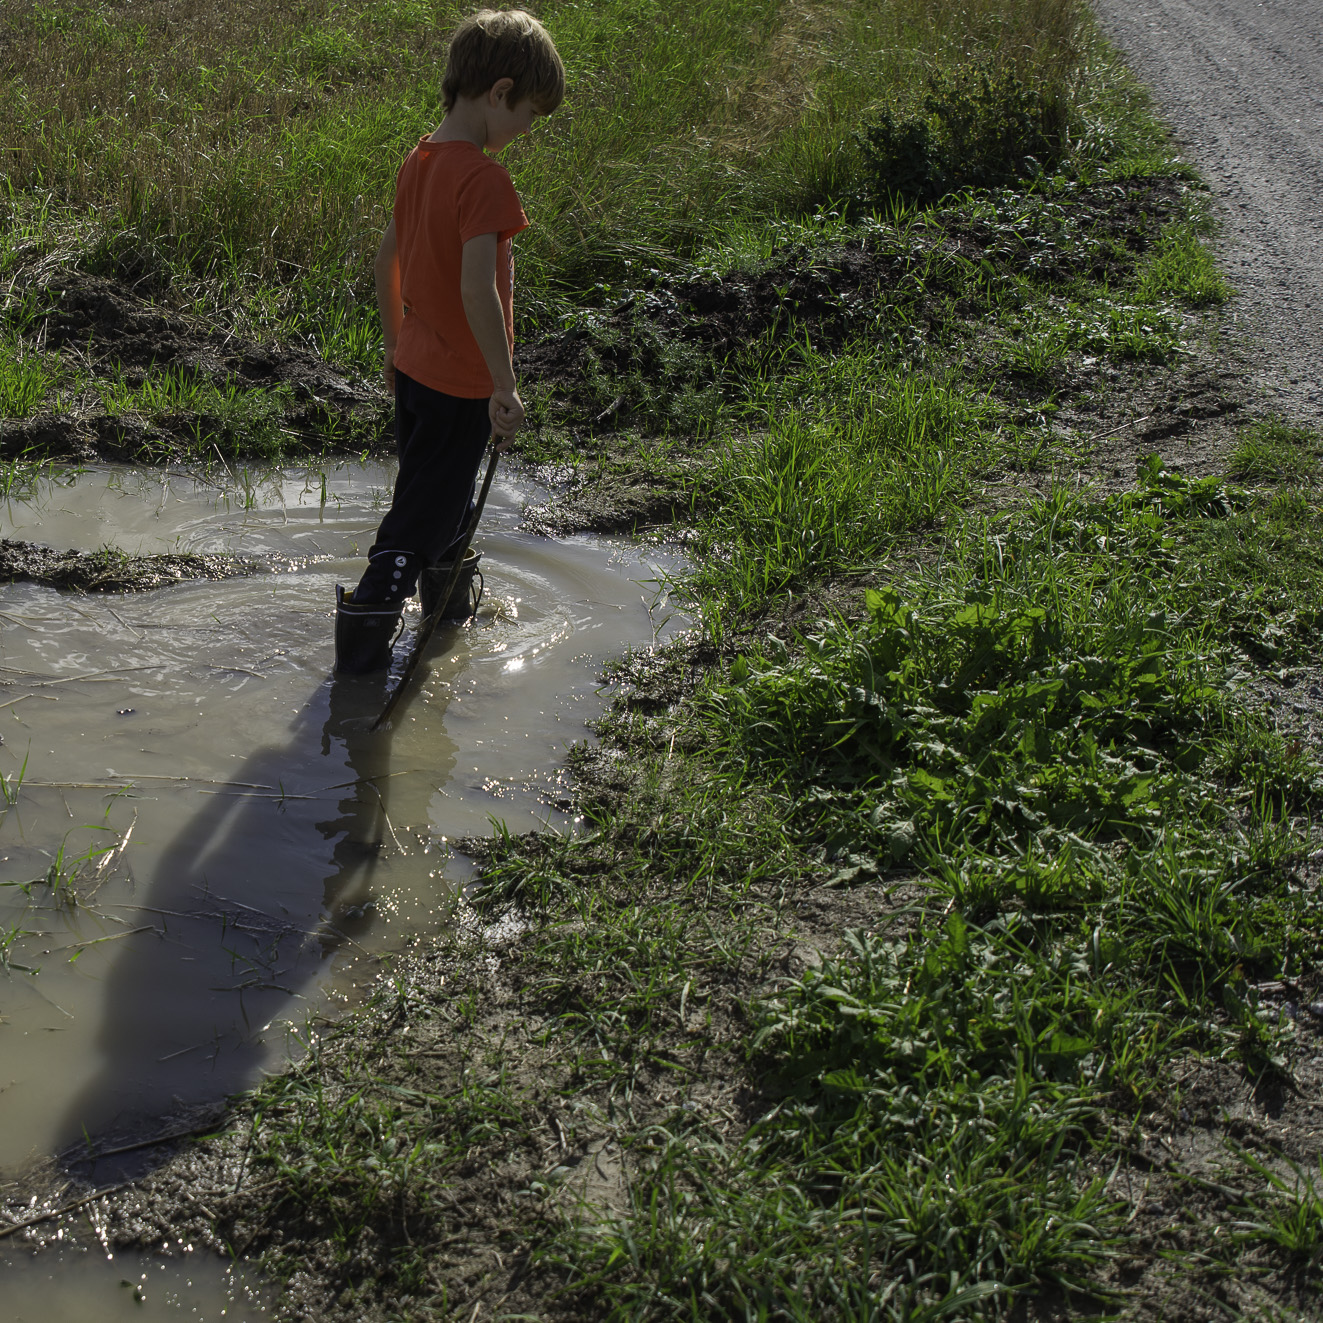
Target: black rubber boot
point(464, 598)
point(363, 634)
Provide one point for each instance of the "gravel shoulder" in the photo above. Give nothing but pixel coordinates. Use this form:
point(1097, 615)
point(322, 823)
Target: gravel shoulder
point(1242, 86)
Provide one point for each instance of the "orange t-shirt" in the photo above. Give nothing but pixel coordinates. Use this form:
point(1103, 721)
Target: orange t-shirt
point(446, 194)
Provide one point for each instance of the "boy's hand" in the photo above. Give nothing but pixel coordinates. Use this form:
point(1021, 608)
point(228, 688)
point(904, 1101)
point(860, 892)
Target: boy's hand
point(388, 368)
point(506, 411)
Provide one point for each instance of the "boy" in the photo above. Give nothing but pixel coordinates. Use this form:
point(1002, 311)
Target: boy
point(445, 281)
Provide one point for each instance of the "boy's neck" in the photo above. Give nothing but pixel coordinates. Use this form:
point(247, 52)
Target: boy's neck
point(490, 121)
point(466, 121)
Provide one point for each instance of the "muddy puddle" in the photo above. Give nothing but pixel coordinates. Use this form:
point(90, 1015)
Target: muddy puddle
point(75, 1286)
point(202, 846)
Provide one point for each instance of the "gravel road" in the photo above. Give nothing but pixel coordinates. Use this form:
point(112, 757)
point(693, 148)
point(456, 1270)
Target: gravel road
point(1241, 83)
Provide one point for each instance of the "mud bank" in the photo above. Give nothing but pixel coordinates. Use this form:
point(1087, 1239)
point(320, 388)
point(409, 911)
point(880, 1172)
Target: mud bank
point(142, 381)
point(627, 399)
point(111, 571)
point(624, 398)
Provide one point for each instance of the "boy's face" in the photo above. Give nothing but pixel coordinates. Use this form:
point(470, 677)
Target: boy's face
point(505, 123)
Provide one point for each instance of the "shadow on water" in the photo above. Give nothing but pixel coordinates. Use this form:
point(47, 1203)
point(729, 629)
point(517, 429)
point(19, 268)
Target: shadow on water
point(185, 1015)
point(208, 847)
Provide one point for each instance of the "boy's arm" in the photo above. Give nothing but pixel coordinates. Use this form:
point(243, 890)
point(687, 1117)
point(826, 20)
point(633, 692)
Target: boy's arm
point(386, 269)
point(486, 318)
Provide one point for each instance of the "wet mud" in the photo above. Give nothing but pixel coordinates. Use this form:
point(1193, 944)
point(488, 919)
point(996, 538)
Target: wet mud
point(603, 500)
point(110, 571)
point(116, 330)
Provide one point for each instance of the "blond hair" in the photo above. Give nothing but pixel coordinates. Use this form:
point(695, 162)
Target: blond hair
point(509, 43)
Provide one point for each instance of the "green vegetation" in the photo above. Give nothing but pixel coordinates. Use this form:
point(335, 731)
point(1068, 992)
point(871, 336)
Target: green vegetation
point(1182, 267)
point(1273, 451)
point(964, 849)
point(241, 140)
point(228, 172)
point(25, 380)
point(1039, 852)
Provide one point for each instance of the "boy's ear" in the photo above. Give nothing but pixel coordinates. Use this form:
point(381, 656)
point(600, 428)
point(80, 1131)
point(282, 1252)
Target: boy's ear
point(500, 89)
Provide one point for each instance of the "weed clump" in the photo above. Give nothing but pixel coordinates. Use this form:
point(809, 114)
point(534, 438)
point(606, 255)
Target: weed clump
point(1056, 684)
point(1275, 451)
point(978, 126)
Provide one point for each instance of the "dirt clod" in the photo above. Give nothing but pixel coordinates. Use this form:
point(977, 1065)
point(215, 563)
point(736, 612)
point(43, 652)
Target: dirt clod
point(248, 398)
point(111, 571)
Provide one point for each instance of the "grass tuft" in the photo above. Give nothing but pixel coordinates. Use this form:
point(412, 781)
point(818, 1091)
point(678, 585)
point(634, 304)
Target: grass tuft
point(1275, 451)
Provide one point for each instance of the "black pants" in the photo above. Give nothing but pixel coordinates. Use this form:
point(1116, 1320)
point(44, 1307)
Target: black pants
point(440, 440)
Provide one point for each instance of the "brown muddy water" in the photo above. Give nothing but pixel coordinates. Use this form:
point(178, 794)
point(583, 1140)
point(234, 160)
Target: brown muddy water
point(202, 846)
point(77, 1287)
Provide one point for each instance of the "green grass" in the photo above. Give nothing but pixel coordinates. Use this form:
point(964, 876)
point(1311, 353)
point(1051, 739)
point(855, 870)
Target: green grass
point(923, 1163)
point(843, 454)
point(19, 478)
point(1004, 772)
point(11, 783)
point(250, 157)
point(1051, 642)
point(941, 1091)
point(1275, 451)
point(1290, 1213)
point(249, 421)
point(1182, 267)
point(27, 379)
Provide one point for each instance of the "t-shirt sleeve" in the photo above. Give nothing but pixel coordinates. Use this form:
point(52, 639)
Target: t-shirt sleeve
point(488, 204)
point(401, 175)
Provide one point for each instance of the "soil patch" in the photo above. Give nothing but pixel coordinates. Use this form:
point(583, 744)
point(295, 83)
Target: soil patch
point(112, 571)
point(143, 381)
point(607, 373)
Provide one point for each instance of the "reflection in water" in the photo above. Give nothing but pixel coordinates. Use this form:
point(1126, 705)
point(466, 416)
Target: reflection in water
point(360, 832)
